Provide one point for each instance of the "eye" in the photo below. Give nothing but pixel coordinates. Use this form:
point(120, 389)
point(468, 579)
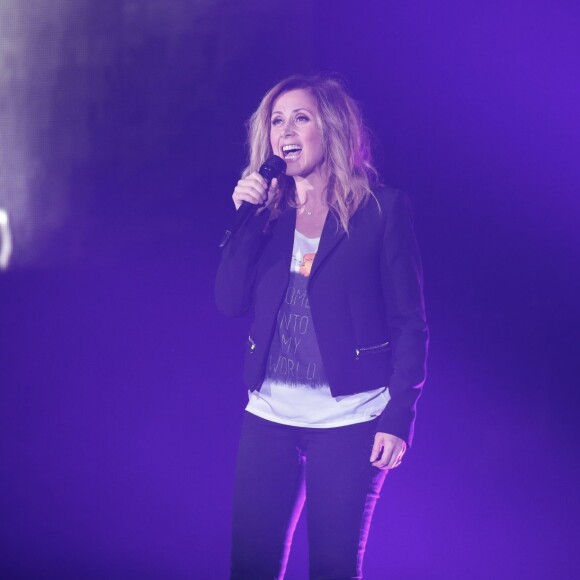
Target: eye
point(276, 121)
point(302, 118)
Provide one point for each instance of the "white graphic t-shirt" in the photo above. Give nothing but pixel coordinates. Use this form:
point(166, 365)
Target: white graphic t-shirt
point(295, 390)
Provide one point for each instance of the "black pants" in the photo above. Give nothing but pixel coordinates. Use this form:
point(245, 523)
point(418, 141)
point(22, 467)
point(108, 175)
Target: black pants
point(278, 466)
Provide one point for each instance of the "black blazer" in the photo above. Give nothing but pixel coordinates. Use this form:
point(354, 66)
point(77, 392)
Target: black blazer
point(366, 299)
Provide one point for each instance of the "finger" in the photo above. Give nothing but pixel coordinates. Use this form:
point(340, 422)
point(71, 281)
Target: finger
point(238, 200)
point(256, 181)
point(251, 185)
point(396, 456)
point(248, 192)
point(377, 446)
point(393, 462)
point(271, 190)
point(256, 175)
point(385, 460)
point(248, 196)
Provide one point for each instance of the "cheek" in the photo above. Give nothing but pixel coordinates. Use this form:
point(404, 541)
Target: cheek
point(320, 147)
point(316, 141)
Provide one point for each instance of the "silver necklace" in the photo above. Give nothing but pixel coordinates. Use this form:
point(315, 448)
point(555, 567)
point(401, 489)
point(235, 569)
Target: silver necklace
point(310, 213)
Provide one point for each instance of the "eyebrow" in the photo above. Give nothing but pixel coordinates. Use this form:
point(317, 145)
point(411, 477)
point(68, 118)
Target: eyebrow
point(294, 111)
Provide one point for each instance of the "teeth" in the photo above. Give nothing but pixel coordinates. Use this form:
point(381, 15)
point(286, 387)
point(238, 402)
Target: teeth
point(291, 148)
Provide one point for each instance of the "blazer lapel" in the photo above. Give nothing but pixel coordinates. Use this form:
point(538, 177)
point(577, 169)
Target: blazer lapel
point(332, 234)
point(284, 238)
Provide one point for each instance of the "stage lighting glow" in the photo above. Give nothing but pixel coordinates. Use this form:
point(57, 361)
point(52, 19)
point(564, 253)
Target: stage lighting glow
point(32, 191)
point(5, 240)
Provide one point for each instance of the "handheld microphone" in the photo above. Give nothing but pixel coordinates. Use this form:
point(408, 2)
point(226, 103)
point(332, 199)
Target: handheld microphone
point(271, 168)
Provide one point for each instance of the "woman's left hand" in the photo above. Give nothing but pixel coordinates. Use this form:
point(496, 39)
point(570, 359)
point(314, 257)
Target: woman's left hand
point(388, 451)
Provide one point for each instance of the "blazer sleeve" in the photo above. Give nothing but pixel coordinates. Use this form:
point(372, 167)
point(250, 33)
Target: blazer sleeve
point(402, 279)
point(237, 269)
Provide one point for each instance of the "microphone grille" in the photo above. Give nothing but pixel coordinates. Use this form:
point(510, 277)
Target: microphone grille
point(272, 167)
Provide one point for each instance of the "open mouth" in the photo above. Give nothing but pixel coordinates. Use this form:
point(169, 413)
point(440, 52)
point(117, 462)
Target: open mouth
point(291, 151)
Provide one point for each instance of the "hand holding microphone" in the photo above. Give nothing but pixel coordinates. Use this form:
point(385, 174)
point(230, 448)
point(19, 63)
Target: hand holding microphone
point(252, 191)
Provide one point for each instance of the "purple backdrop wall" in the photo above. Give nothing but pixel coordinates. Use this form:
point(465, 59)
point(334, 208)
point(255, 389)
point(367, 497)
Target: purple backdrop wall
point(121, 398)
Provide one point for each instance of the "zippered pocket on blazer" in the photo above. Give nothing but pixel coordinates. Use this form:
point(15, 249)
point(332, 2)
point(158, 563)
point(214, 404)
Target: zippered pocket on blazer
point(371, 349)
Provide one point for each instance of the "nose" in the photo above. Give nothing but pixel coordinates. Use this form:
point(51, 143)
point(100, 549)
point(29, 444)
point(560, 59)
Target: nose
point(288, 128)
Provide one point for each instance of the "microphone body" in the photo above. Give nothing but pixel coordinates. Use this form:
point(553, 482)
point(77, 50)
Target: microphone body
point(271, 168)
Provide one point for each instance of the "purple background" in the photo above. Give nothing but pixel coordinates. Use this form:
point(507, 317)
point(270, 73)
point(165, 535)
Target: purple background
point(120, 397)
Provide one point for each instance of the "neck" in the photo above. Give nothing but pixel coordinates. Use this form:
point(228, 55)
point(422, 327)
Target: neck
point(311, 191)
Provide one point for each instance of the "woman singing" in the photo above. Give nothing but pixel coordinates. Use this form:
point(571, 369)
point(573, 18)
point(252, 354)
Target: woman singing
point(335, 361)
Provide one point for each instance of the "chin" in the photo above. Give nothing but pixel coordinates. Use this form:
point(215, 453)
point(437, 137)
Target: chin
point(293, 171)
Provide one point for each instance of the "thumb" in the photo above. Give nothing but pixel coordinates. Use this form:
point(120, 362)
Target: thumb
point(271, 190)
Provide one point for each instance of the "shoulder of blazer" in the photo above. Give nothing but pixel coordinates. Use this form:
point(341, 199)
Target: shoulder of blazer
point(376, 209)
point(387, 197)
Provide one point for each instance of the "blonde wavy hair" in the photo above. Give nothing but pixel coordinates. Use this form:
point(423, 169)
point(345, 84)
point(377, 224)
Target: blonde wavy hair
point(347, 152)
